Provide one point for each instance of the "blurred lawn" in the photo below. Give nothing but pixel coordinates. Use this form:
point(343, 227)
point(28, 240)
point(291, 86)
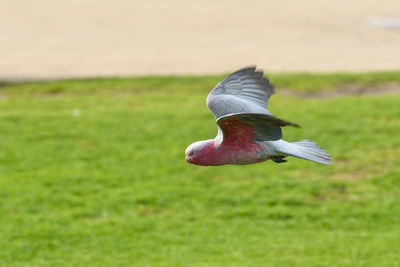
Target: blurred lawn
point(92, 173)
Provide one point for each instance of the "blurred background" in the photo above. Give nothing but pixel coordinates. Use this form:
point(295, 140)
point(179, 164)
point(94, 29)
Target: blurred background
point(99, 100)
point(47, 39)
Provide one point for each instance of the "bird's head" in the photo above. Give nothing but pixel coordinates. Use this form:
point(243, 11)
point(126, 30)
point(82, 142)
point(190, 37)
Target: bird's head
point(200, 152)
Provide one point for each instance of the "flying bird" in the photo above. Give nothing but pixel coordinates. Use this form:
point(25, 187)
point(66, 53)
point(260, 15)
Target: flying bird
point(247, 131)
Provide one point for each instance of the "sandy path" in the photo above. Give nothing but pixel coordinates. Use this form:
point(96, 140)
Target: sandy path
point(64, 38)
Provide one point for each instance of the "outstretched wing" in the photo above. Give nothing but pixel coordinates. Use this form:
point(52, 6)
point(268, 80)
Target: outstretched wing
point(244, 91)
point(239, 104)
point(247, 127)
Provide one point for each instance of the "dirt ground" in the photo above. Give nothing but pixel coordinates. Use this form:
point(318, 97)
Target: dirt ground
point(76, 38)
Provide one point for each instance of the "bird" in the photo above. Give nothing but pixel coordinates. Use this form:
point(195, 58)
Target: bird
point(247, 131)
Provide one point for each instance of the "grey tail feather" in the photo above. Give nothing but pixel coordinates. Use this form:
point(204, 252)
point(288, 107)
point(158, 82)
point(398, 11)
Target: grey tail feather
point(308, 150)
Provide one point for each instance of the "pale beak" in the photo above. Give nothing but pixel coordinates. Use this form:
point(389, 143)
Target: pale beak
point(188, 159)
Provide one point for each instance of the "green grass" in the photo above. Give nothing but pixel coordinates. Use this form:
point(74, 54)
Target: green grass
point(92, 173)
point(298, 82)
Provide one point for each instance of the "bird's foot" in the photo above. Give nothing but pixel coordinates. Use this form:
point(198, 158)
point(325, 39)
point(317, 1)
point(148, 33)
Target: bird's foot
point(279, 159)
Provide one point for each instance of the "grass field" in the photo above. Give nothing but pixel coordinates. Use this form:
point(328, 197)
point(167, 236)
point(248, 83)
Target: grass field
point(93, 173)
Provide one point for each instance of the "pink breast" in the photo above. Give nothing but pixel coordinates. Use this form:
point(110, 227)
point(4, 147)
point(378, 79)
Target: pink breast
point(238, 146)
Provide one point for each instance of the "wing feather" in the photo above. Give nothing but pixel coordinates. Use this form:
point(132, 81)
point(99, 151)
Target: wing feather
point(239, 104)
point(245, 88)
point(264, 127)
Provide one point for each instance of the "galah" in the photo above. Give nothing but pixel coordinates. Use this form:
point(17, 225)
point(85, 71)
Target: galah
point(247, 131)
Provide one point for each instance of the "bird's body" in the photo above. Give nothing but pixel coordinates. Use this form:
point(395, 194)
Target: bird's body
point(247, 131)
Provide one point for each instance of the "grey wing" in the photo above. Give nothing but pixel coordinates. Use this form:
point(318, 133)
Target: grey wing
point(263, 127)
point(244, 91)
